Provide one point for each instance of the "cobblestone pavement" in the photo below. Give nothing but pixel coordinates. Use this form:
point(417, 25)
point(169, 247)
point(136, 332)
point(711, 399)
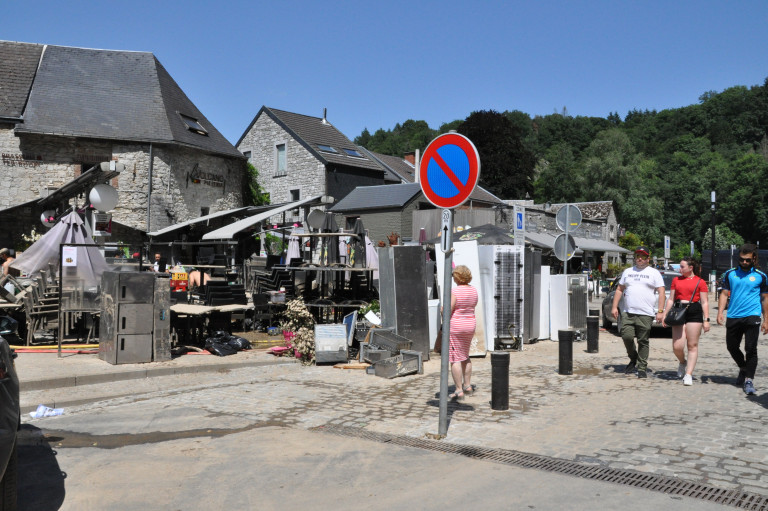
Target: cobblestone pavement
point(709, 432)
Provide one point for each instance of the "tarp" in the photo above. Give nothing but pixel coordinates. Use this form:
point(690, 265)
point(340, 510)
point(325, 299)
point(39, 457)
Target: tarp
point(371, 257)
point(331, 246)
point(199, 220)
point(358, 244)
point(293, 251)
point(45, 252)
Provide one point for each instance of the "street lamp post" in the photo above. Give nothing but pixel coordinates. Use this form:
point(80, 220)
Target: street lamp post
point(712, 273)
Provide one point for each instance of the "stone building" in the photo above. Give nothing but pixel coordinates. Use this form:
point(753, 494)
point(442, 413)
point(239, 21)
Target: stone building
point(64, 110)
point(300, 156)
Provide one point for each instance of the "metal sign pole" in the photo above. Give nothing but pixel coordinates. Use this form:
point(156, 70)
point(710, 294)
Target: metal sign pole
point(447, 248)
point(565, 261)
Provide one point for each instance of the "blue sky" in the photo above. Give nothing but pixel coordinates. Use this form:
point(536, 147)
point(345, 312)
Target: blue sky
point(374, 64)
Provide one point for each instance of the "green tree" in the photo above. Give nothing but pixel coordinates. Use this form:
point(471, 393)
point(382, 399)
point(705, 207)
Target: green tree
point(690, 168)
point(630, 241)
point(743, 197)
point(450, 126)
point(507, 165)
point(364, 139)
point(402, 139)
point(253, 194)
point(724, 238)
point(679, 251)
point(557, 175)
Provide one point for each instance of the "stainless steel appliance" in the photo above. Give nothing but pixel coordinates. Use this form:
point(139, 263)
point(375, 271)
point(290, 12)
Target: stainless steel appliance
point(403, 294)
point(135, 318)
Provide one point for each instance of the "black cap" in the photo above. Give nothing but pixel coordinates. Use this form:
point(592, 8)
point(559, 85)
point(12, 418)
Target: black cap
point(642, 249)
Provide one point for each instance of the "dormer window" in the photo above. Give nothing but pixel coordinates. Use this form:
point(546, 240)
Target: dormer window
point(353, 152)
point(326, 148)
point(193, 125)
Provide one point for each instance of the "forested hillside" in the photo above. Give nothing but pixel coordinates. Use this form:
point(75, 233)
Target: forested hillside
point(659, 167)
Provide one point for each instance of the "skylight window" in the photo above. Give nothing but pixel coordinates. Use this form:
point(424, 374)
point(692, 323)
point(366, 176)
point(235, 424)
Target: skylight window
point(193, 125)
point(326, 148)
point(353, 152)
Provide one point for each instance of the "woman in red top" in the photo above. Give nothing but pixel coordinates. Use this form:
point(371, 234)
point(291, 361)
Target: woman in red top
point(688, 288)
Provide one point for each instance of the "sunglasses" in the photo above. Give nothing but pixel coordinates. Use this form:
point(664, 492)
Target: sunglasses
point(745, 259)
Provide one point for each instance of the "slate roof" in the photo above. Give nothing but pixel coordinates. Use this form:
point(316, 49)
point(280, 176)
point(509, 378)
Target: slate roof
point(18, 64)
point(111, 94)
point(397, 169)
point(589, 210)
point(312, 131)
point(377, 197)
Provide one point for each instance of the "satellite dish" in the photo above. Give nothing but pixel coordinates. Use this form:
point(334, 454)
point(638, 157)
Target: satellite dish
point(103, 197)
point(315, 219)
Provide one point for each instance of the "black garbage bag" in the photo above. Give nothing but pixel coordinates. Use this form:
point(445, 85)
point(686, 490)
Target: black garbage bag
point(239, 343)
point(219, 346)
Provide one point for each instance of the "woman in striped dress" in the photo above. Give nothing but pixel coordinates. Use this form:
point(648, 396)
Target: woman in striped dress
point(462, 330)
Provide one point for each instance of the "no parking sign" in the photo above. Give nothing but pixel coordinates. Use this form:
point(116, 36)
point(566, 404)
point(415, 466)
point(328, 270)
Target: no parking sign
point(449, 170)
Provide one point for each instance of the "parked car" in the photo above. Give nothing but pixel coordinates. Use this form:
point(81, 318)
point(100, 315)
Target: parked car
point(608, 320)
point(10, 416)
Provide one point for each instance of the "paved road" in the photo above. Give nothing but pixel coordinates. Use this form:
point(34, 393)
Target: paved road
point(248, 431)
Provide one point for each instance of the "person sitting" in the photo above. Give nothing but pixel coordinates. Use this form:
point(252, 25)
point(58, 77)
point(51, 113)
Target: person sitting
point(197, 279)
point(160, 264)
point(6, 256)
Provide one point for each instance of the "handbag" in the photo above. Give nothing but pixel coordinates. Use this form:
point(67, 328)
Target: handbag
point(439, 342)
point(677, 314)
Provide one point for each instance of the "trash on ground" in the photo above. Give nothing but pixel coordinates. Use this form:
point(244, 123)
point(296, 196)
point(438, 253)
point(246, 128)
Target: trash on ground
point(45, 411)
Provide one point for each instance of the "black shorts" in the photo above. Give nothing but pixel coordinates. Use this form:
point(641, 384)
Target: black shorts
point(695, 313)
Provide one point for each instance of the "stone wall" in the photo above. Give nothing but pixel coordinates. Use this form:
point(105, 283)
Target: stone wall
point(184, 180)
point(304, 172)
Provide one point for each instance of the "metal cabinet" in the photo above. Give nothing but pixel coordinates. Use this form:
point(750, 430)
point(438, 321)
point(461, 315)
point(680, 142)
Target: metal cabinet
point(135, 318)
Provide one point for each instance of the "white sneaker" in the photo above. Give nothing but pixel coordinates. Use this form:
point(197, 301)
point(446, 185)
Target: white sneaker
point(687, 379)
point(681, 370)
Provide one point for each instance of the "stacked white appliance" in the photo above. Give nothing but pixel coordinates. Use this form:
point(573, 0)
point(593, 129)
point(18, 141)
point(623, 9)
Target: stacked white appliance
point(511, 277)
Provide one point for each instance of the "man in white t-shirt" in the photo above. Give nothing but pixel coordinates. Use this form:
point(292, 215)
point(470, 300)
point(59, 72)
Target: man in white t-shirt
point(638, 285)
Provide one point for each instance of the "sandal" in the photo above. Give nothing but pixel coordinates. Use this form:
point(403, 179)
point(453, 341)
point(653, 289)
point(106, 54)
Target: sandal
point(456, 396)
point(469, 390)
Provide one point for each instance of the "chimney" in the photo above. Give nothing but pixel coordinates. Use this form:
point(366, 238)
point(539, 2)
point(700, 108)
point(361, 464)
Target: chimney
point(325, 113)
point(410, 157)
point(416, 163)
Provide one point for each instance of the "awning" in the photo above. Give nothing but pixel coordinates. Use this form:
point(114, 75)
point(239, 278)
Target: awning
point(198, 220)
point(229, 231)
point(542, 240)
point(598, 245)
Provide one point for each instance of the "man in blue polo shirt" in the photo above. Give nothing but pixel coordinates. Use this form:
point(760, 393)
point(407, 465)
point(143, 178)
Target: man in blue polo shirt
point(747, 288)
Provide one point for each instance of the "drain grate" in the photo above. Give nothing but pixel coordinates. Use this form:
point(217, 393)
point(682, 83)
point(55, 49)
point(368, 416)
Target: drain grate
point(662, 484)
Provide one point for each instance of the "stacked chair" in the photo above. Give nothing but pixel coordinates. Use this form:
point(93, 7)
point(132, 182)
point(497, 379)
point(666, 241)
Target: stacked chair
point(41, 301)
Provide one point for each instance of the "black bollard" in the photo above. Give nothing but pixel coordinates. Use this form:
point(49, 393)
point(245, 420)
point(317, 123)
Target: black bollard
point(594, 312)
point(499, 380)
point(565, 338)
point(593, 332)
